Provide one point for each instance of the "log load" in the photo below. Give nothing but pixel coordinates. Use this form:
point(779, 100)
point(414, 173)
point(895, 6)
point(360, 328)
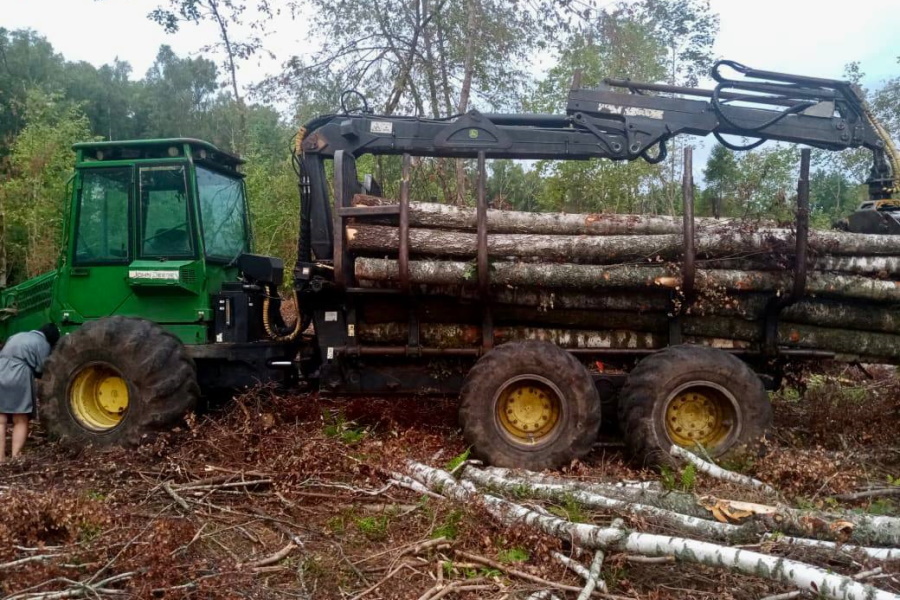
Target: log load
point(614, 282)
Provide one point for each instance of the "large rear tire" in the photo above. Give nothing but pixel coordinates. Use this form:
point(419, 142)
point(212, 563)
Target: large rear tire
point(116, 381)
point(689, 396)
point(530, 405)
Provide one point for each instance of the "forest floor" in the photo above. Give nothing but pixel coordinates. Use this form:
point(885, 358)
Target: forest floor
point(287, 496)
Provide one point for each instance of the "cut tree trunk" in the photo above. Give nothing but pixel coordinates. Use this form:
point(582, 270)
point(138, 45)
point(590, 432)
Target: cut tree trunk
point(443, 216)
point(572, 276)
point(801, 575)
point(716, 332)
point(587, 248)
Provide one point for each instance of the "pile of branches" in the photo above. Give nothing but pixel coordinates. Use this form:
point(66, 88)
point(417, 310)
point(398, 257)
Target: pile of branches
point(656, 526)
point(546, 270)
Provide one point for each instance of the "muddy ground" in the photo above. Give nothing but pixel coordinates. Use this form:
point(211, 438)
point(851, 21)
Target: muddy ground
point(284, 496)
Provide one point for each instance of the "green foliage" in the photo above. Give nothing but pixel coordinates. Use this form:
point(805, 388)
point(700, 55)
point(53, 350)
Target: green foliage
point(374, 528)
point(688, 478)
point(33, 195)
point(881, 506)
point(684, 481)
point(449, 527)
point(513, 555)
point(457, 460)
point(337, 427)
point(570, 509)
point(336, 524)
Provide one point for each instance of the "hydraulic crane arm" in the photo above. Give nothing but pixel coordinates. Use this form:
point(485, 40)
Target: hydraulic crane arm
point(626, 125)
point(622, 120)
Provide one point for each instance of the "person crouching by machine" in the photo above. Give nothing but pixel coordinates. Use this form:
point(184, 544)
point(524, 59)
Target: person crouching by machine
point(21, 358)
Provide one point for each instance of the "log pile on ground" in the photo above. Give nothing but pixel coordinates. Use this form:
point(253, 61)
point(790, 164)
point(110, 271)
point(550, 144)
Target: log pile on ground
point(613, 281)
point(740, 537)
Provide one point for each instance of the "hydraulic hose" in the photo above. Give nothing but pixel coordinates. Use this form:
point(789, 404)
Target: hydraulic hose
point(288, 334)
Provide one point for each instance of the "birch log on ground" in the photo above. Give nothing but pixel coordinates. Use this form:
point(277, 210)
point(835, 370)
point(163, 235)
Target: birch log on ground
point(714, 470)
point(801, 575)
point(855, 528)
point(751, 529)
point(574, 276)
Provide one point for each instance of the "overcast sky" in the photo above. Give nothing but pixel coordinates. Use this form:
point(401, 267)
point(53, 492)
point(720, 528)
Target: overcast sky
point(810, 37)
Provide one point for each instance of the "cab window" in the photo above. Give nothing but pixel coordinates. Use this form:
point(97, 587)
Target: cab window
point(102, 231)
point(222, 212)
point(165, 213)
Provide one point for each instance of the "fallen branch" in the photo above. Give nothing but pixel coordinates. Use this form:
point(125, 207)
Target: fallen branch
point(271, 559)
point(593, 580)
point(522, 574)
point(718, 472)
point(866, 531)
point(795, 573)
point(78, 589)
point(28, 559)
point(876, 493)
point(178, 499)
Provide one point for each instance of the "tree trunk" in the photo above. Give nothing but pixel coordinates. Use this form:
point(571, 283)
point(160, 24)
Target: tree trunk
point(593, 249)
point(572, 276)
point(459, 336)
point(802, 575)
point(444, 216)
point(466, 88)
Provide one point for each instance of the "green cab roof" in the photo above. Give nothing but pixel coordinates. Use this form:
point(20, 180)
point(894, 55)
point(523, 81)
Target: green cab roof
point(119, 149)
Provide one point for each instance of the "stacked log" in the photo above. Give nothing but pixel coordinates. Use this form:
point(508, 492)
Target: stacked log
point(615, 281)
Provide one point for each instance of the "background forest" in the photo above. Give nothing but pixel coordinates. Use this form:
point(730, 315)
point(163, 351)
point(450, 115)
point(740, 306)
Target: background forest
point(432, 58)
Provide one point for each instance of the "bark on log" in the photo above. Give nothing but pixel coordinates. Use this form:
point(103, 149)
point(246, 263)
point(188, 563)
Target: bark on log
point(545, 299)
point(611, 249)
point(700, 525)
point(714, 470)
point(706, 331)
point(442, 216)
point(454, 336)
point(861, 529)
point(801, 575)
point(434, 335)
point(572, 276)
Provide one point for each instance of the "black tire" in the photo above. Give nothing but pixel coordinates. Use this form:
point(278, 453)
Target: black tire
point(740, 405)
point(160, 377)
point(518, 367)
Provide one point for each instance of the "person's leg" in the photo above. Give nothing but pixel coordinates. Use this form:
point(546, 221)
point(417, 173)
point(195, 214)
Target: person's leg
point(2, 437)
point(20, 433)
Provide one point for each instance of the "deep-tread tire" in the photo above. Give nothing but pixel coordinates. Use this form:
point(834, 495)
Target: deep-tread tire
point(653, 380)
point(579, 422)
point(161, 379)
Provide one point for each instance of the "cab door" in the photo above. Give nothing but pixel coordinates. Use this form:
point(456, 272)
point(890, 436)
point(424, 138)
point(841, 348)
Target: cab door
point(94, 282)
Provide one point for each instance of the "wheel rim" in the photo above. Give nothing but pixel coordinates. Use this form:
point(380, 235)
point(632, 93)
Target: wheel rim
point(529, 410)
point(98, 397)
point(702, 413)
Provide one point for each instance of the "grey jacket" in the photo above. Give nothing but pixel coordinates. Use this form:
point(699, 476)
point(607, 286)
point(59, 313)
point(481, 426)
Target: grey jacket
point(22, 356)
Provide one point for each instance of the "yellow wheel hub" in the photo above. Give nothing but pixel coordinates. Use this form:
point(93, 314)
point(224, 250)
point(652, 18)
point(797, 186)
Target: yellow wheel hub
point(98, 397)
point(528, 410)
point(699, 415)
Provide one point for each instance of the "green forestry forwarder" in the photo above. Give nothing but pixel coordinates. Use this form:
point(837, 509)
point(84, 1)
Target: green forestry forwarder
point(160, 298)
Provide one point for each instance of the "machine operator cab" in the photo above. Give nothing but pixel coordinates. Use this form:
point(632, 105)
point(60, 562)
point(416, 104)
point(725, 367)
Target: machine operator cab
point(156, 226)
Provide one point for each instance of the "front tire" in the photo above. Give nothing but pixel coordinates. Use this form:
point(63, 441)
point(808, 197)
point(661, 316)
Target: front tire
point(116, 381)
point(692, 395)
point(529, 405)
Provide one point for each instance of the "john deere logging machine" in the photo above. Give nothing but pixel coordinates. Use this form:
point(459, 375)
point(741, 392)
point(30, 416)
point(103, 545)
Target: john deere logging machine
point(160, 298)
